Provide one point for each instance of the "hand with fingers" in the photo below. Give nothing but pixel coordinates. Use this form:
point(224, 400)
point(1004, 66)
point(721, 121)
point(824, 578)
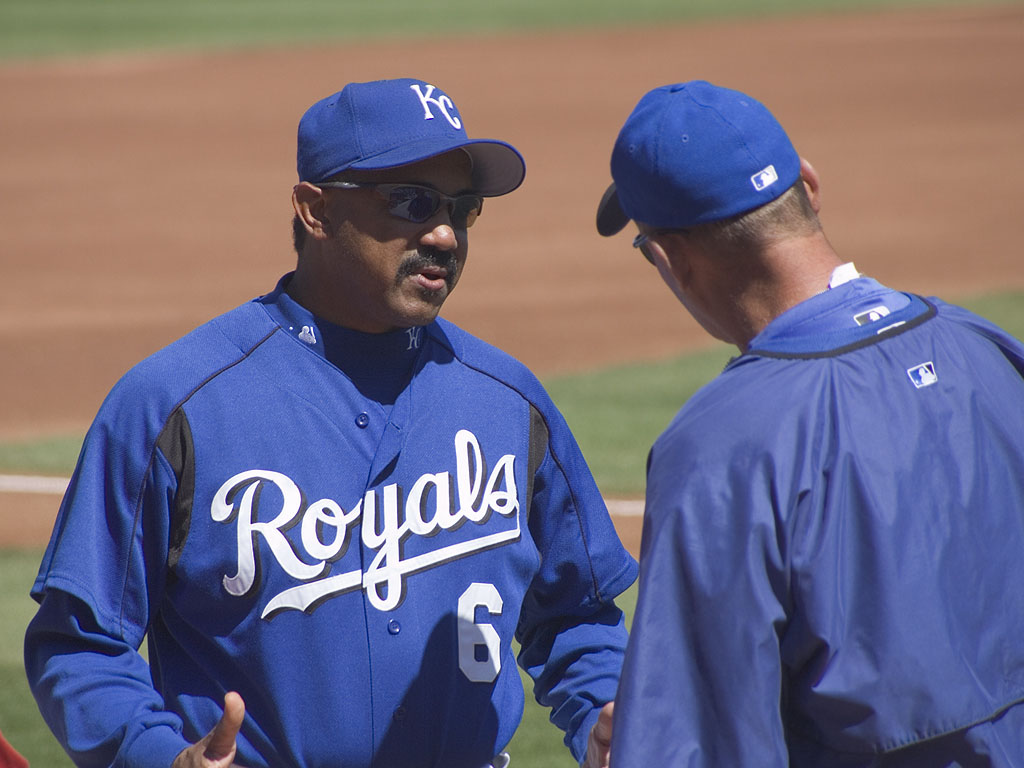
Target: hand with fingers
point(217, 748)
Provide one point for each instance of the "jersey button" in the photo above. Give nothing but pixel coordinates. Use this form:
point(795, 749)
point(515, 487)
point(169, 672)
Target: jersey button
point(399, 713)
point(362, 420)
point(394, 627)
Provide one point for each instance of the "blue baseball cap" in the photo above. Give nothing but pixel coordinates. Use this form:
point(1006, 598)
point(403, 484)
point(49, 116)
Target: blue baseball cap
point(388, 123)
point(692, 153)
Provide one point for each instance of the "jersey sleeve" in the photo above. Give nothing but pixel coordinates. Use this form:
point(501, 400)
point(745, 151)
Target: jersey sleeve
point(103, 567)
point(572, 634)
point(703, 674)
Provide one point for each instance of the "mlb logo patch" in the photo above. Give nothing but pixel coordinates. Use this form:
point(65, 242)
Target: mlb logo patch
point(764, 178)
point(923, 375)
point(871, 315)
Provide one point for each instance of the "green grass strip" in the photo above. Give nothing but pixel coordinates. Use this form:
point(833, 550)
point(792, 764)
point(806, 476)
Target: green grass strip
point(49, 455)
point(33, 28)
point(617, 413)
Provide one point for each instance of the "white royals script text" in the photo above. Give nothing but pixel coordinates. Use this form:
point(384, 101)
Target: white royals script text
point(325, 528)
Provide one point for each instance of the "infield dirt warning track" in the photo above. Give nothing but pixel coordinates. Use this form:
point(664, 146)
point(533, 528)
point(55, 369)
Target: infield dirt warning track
point(142, 195)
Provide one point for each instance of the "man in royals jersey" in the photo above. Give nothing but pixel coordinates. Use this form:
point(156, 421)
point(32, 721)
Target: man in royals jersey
point(331, 512)
point(831, 569)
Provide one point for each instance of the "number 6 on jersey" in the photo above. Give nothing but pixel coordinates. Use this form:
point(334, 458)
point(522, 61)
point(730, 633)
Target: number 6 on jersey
point(473, 635)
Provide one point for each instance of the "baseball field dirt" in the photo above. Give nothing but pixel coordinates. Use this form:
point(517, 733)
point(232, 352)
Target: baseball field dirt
point(144, 194)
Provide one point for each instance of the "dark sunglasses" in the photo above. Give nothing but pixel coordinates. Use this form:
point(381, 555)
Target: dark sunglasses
point(642, 242)
point(418, 204)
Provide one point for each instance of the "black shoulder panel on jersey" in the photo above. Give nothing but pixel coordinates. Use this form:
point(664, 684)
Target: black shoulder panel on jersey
point(175, 443)
point(539, 436)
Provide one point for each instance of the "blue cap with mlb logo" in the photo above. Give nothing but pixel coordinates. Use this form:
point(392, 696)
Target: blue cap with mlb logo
point(692, 153)
point(388, 123)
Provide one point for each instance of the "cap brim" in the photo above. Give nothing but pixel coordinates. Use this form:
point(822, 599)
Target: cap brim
point(498, 168)
point(610, 217)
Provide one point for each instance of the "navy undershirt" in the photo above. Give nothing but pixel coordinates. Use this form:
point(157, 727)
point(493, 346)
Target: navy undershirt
point(379, 364)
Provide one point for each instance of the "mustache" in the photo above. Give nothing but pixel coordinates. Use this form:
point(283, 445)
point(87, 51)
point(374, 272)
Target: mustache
point(430, 257)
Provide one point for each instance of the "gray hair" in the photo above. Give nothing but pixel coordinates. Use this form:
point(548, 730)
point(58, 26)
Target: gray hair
point(790, 214)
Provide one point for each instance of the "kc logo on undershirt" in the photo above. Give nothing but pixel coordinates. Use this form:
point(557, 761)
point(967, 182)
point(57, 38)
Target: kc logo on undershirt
point(384, 524)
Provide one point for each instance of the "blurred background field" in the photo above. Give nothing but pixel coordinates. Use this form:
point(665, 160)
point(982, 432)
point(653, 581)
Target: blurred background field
point(35, 28)
point(616, 403)
point(145, 186)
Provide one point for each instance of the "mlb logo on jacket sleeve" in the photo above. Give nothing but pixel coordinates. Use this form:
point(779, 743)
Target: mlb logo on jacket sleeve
point(923, 375)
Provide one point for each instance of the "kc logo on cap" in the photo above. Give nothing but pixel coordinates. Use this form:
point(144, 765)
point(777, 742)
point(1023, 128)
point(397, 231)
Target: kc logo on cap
point(443, 103)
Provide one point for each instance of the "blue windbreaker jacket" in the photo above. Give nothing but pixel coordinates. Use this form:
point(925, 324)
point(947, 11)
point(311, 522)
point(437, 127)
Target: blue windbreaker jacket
point(832, 566)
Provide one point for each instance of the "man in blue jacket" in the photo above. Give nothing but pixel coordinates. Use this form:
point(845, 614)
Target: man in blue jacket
point(329, 511)
point(831, 564)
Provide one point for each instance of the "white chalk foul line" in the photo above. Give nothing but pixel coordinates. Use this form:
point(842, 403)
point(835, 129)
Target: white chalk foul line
point(57, 486)
point(625, 507)
point(33, 484)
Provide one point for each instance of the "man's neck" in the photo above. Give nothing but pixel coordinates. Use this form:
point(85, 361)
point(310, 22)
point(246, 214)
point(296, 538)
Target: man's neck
point(792, 272)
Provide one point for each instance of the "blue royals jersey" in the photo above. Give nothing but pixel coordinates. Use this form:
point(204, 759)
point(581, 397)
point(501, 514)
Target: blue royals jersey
point(832, 564)
point(347, 529)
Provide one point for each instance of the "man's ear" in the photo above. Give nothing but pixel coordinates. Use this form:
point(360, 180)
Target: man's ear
point(812, 184)
point(308, 202)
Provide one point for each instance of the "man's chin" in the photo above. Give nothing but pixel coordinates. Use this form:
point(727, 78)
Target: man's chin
point(423, 312)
